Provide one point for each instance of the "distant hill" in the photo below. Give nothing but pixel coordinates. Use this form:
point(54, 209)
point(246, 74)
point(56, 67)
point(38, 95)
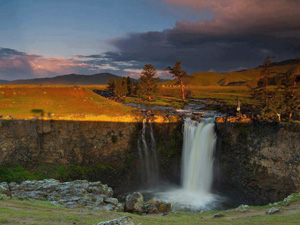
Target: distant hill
point(70, 79)
point(3, 81)
point(237, 78)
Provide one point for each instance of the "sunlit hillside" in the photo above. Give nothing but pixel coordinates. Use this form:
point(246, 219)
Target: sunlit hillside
point(31, 101)
point(237, 78)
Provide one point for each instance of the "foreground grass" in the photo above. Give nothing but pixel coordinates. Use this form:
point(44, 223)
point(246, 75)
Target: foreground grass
point(44, 213)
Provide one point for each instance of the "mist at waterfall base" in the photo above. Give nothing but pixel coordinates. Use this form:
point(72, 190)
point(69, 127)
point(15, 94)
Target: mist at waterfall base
point(194, 194)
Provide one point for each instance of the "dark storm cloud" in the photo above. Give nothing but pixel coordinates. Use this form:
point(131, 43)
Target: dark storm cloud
point(240, 34)
point(7, 52)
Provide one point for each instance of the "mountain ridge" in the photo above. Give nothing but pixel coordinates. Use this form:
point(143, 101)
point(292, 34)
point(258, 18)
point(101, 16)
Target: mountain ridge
point(69, 79)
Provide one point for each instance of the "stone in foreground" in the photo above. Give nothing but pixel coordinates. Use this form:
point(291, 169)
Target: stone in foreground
point(156, 207)
point(134, 203)
point(75, 194)
point(127, 220)
point(272, 211)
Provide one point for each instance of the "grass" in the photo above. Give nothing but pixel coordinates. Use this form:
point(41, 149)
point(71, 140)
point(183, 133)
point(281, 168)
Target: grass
point(243, 77)
point(28, 101)
point(44, 213)
point(225, 94)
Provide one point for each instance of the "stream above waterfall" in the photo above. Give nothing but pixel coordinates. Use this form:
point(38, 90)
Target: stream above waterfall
point(196, 106)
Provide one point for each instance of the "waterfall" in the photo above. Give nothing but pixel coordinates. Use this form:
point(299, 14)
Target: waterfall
point(197, 162)
point(195, 194)
point(148, 156)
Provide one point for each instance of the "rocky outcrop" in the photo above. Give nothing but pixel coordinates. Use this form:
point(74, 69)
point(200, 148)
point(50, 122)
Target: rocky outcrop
point(107, 149)
point(80, 193)
point(258, 163)
point(135, 204)
point(126, 220)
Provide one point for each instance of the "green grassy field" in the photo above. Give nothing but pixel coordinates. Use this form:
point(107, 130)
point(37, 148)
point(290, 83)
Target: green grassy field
point(44, 213)
point(244, 77)
point(225, 94)
point(26, 101)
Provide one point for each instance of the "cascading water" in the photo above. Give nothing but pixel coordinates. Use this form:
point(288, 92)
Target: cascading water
point(199, 143)
point(148, 157)
point(197, 168)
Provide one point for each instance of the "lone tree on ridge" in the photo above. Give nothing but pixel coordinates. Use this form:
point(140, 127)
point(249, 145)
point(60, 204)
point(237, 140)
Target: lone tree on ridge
point(179, 74)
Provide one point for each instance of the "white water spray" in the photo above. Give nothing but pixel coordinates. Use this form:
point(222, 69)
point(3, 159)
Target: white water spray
point(198, 148)
point(148, 157)
point(197, 168)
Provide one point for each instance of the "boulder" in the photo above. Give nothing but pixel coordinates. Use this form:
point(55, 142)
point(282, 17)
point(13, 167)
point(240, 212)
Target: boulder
point(273, 211)
point(127, 220)
point(157, 206)
point(112, 201)
point(242, 208)
point(134, 203)
point(4, 190)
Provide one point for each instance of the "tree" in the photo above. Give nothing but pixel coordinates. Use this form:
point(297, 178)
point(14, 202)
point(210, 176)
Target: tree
point(121, 87)
point(285, 100)
point(179, 75)
point(130, 86)
point(111, 84)
point(147, 85)
point(260, 92)
point(289, 89)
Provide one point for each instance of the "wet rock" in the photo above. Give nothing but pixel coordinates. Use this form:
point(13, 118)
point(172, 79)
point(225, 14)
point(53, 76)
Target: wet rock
point(127, 220)
point(156, 207)
point(134, 203)
point(273, 211)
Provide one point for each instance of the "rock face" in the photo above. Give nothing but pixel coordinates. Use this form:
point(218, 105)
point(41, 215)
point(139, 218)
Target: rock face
point(127, 220)
point(80, 193)
point(258, 163)
point(112, 145)
point(64, 142)
point(134, 203)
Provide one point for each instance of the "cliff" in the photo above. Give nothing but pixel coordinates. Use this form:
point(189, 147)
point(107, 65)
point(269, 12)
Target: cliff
point(105, 151)
point(258, 163)
point(255, 163)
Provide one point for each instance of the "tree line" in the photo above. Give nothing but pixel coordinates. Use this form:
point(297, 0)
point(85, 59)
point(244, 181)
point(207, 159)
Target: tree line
point(147, 85)
point(280, 101)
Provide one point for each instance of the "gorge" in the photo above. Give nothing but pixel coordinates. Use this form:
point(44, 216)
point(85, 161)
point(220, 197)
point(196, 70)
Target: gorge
point(254, 163)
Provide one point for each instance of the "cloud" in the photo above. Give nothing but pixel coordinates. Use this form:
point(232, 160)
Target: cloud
point(136, 73)
point(240, 34)
point(20, 65)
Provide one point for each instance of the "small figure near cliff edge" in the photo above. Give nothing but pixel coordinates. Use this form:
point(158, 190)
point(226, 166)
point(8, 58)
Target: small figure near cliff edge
point(238, 109)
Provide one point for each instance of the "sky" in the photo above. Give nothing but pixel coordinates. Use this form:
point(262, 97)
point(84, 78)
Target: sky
point(45, 38)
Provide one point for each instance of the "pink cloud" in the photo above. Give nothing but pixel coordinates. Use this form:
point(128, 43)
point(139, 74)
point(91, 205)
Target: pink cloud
point(18, 65)
point(242, 15)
